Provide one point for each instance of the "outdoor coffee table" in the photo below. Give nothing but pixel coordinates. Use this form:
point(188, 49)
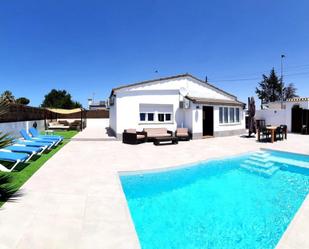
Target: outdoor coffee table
point(159, 140)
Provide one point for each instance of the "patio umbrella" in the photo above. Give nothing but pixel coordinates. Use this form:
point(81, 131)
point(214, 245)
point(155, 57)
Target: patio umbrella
point(251, 112)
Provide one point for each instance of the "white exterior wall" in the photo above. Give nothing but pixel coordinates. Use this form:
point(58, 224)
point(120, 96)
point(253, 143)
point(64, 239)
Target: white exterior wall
point(274, 117)
point(97, 122)
point(280, 116)
point(195, 88)
point(128, 106)
point(15, 127)
point(113, 117)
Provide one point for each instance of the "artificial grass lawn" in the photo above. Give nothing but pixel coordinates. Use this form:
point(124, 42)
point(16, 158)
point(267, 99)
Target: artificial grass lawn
point(25, 171)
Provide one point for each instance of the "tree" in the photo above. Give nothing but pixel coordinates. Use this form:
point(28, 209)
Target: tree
point(22, 101)
point(270, 88)
point(289, 92)
point(7, 96)
point(59, 99)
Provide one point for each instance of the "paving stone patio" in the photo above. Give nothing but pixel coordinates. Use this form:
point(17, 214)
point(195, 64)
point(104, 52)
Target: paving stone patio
point(75, 200)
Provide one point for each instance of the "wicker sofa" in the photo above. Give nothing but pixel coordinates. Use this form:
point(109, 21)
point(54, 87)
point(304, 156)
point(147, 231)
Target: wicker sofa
point(183, 134)
point(131, 136)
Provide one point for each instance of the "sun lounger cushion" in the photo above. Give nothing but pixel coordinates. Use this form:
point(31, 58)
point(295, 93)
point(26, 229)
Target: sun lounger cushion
point(25, 149)
point(12, 157)
point(30, 143)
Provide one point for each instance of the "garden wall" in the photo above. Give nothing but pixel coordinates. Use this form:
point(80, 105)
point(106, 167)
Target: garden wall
point(14, 127)
point(87, 114)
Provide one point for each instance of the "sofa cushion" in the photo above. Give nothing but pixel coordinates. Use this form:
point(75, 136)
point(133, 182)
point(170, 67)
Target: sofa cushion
point(130, 130)
point(182, 131)
point(182, 134)
point(158, 135)
point(155, 131)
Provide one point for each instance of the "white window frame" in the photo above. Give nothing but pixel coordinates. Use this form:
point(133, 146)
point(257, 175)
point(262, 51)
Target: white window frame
point(156, 118)
point(164, 117)
point(229, 120)
point(146, 117)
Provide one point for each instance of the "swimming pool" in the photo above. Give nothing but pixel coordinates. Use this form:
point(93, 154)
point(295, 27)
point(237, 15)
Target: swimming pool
point(240, 202)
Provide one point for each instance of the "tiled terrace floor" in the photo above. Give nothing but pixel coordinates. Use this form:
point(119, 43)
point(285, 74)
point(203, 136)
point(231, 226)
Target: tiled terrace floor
point(75, 200)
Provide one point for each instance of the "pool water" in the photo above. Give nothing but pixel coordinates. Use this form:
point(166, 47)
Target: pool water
point(219, 203)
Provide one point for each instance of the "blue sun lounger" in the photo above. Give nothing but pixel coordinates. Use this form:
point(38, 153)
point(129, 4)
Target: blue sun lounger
point(26, 136)
point(35, 134)
point(43, 146)
point(12, 157)
point(24, 149)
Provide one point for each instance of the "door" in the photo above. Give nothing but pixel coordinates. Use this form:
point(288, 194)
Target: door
point(208, 121)
point(297, 116)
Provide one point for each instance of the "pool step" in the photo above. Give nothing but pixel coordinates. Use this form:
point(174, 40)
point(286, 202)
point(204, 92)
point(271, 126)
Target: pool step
point(258, 159)
point(264, 172)
point(261, 154)
point(259, 164)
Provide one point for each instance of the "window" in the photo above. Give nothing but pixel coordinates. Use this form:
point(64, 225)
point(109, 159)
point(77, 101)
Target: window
point(168, 117)
point(237, 115)
point(150, 116)
point(146, 116)
point(142, 116)
point(229, 115)
point(161, 117)
point(232, 115)
point(226, 114)
point(164, 117)
point(221, 115)
point(155, 113)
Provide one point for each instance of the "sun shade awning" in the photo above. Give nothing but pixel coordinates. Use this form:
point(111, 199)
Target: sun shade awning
point(198, 100)
point(64, 111)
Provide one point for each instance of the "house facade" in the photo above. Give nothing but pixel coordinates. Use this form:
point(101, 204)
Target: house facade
point(173, 102)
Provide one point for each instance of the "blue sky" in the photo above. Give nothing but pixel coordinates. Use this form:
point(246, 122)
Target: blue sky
point(91, 46)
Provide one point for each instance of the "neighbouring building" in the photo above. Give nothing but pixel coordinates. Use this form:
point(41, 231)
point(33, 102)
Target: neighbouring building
point(293, 112)
point(97, 105)
point(176, 101)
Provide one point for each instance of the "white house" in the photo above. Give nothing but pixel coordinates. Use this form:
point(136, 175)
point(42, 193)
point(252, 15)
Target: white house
point(176, 101)
point(291, 112)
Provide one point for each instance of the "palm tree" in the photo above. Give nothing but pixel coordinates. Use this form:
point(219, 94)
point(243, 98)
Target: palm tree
point(6, 188)
point(7, 96)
